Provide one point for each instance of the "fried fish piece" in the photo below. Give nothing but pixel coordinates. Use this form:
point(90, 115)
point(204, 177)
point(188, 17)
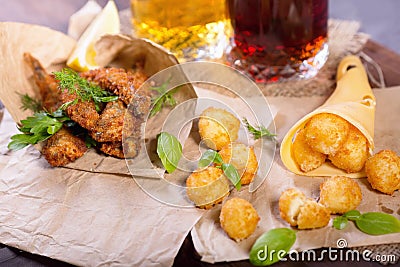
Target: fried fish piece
point(383, 171)
point(238, 218)
point(82, 112)
point(326, 133)
point(307, 158)
point(340, 194)
point(353, 154)
point(63, 147)
point(113, 149)
point(110, 124)
point(47, 84)
point(118, 81)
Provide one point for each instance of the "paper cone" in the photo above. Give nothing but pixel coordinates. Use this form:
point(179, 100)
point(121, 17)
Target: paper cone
point(352, 100)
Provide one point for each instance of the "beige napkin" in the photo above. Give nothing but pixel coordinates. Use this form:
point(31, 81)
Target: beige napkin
point(214, 245)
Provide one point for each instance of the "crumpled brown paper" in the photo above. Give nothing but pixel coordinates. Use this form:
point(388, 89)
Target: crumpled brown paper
point(91, 212)
point(214, 245)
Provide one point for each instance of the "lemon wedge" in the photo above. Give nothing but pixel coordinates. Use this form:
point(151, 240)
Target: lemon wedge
point(83, 56)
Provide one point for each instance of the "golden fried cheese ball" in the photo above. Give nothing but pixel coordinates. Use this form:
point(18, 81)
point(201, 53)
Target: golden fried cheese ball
point(218, 127)
point(302, 212)
point(307, 158)
point(340, 194)
point(383, 171)
point(290, 202)
point(354, 152)
point(207, 187)
point(238, 218)
point(242, 158)
point(326, 133)
point(313, 215)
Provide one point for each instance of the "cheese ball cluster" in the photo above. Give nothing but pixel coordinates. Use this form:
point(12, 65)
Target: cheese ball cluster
point(329, 136)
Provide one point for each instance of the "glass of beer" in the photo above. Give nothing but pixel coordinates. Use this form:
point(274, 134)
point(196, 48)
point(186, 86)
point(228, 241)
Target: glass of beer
point(192, 30)
point(278, 40)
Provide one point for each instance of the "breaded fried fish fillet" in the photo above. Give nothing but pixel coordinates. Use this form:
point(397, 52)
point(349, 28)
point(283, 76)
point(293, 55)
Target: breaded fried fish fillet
point(63, 147)
point(47, 84)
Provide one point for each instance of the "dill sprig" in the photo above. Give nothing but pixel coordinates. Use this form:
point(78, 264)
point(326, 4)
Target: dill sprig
point(258, 131)
point(82, 88)
point(29, 103)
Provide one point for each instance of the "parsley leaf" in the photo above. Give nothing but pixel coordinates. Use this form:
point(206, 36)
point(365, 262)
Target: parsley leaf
point(37, 128)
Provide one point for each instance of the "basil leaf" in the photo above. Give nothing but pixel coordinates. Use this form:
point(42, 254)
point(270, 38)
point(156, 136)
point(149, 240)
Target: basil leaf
point(232, 174)
point(169, 150)
point(352, 215)
point(340, 222)
point(208, 157)
point(272, 246)
point(378, 223)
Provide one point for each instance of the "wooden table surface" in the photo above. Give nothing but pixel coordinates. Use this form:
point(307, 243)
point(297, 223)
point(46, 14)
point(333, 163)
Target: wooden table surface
point(43, 12)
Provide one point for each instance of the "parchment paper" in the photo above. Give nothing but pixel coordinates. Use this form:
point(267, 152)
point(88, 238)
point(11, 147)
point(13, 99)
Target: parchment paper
point(214, 245)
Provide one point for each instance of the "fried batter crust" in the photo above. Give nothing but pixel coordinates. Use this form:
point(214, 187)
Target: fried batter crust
point(110, 124)
point(84, 113)
point(117, 81)
point(113, 149)
point(307, 158)
point(63, 147)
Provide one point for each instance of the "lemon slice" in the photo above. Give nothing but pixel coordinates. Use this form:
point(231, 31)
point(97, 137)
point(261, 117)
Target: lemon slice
point(83, 56)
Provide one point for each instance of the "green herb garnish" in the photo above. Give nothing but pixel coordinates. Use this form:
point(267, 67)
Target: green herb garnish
point(169, 150)
point(82, 88)
point(259, 131)
point(29, 103)
point(163, 98)
point(210, 156)
point(372, 223)
point(272, 246)
point(37, 128)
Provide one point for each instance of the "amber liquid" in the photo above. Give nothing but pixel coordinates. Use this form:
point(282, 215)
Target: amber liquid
point(196, 29)
point(271, 35)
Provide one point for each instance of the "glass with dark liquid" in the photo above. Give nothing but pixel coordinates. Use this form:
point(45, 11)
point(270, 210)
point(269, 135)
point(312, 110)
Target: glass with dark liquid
point(276, 40)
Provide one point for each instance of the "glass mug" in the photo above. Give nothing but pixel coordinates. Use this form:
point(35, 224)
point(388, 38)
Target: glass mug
point(192, 30)
point(277, 40)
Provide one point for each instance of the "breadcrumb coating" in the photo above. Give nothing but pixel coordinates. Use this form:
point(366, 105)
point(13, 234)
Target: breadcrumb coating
point(326, 133)
point(307, 158)
point(340, 194)
point(207, 187)
point(243, 159)
point(238, 218)
point(218, 127)
point(383, 171)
